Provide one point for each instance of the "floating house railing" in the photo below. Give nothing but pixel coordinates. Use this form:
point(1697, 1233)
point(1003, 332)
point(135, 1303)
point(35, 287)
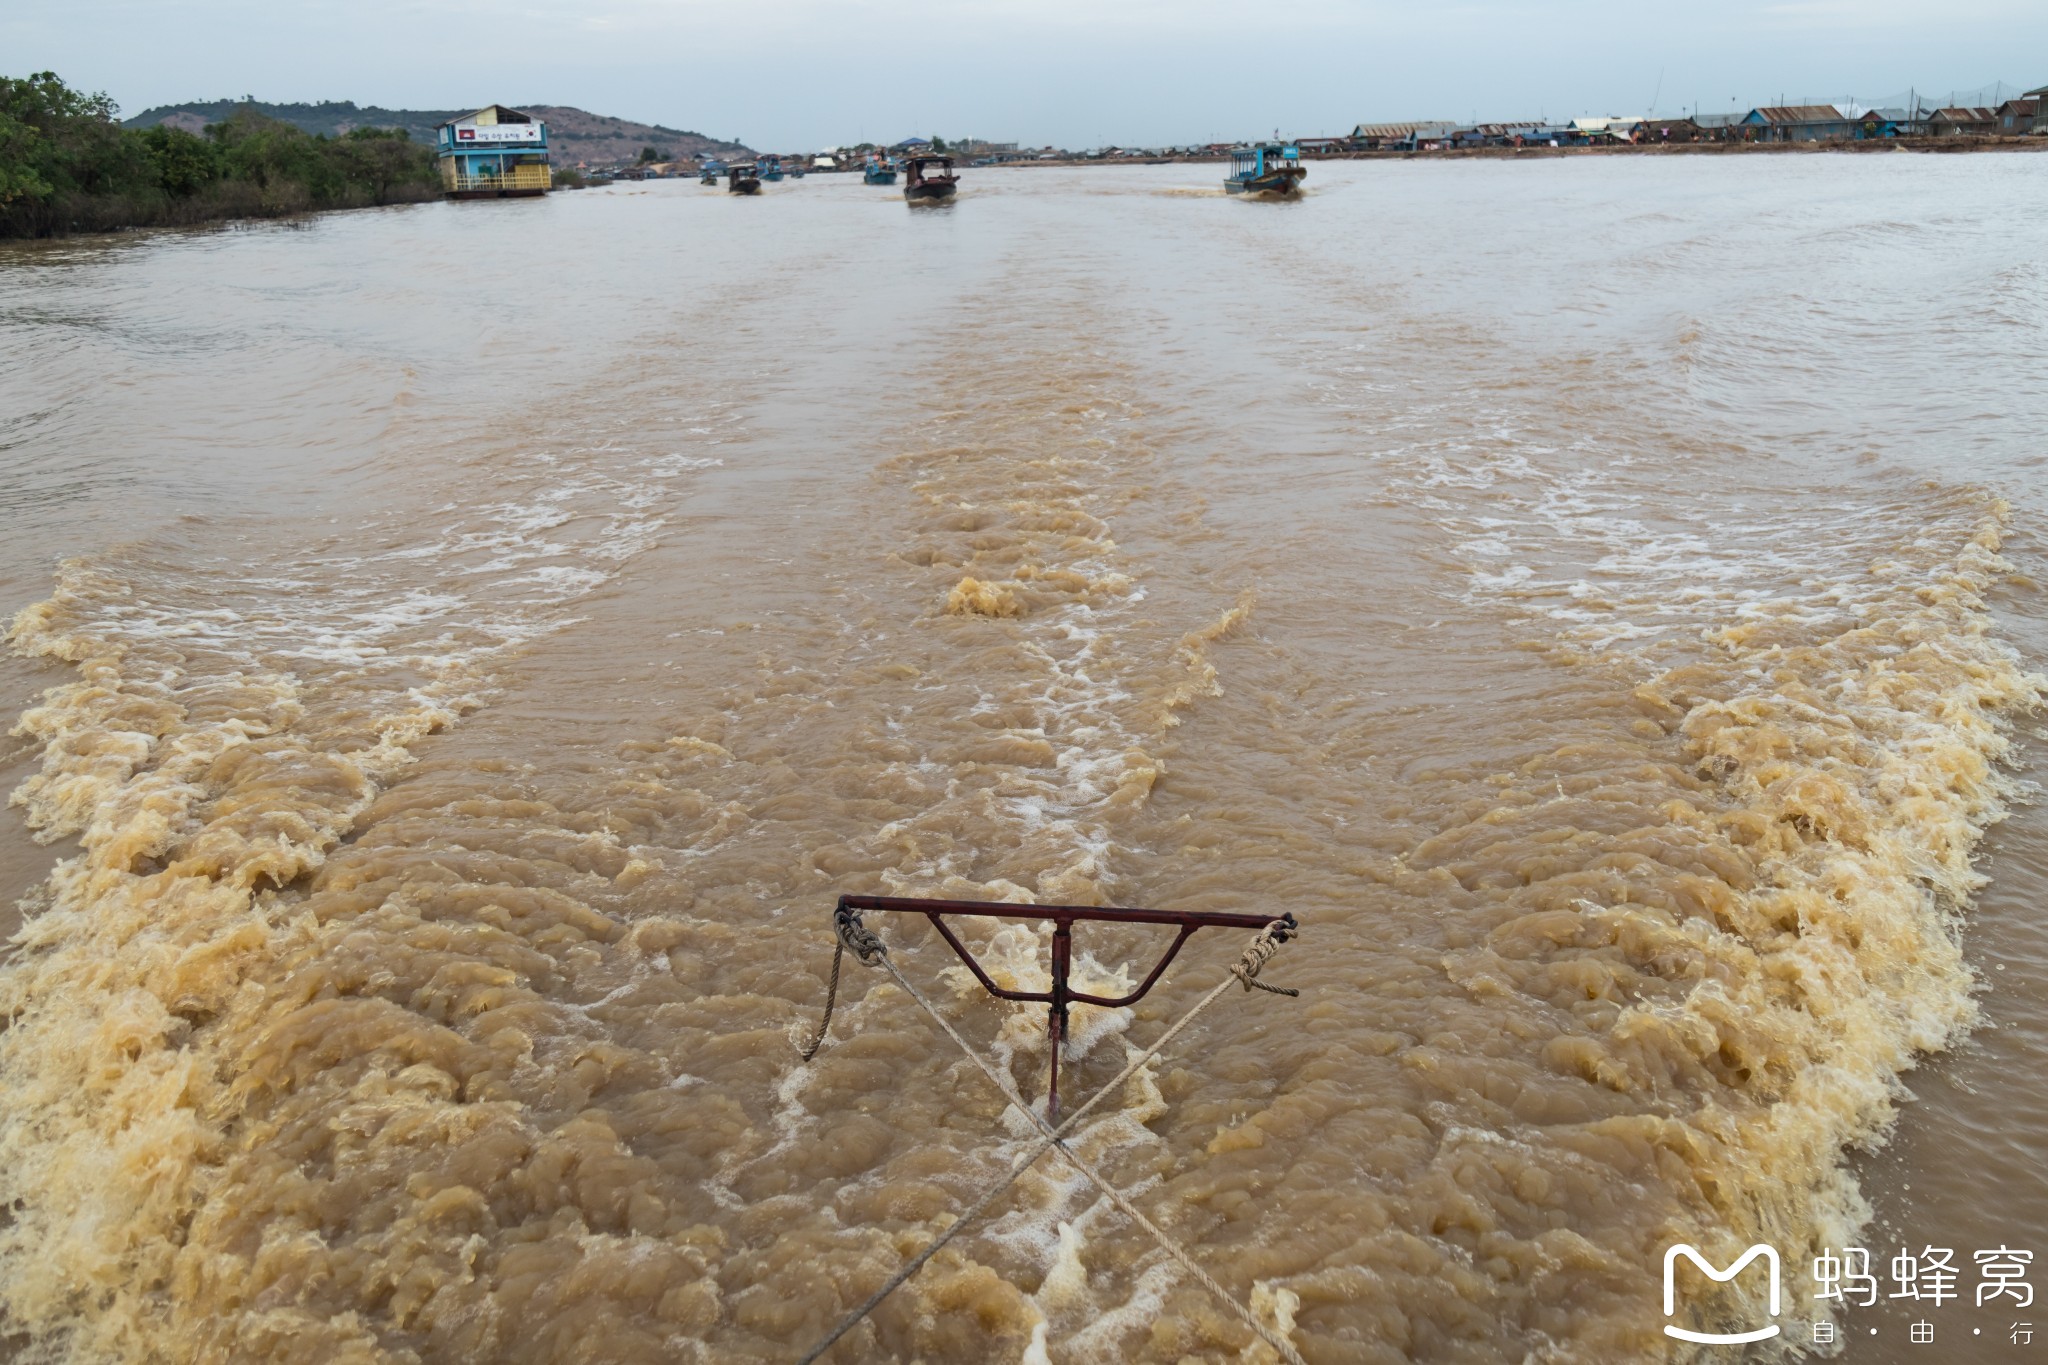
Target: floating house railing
point(529, 178)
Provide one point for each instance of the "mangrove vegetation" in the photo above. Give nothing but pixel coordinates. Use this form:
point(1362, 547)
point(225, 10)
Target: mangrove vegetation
point(67, 165)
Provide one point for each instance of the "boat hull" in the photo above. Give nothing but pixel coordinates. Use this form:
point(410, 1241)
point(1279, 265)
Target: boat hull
point(744, 187)
point(881, 177)
point(930, 192)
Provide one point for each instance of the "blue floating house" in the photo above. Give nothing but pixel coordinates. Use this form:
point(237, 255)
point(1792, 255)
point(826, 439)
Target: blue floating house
point(1872, 124)
point(495, 153)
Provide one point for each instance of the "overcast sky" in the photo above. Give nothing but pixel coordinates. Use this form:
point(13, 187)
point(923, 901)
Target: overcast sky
point(804, 73)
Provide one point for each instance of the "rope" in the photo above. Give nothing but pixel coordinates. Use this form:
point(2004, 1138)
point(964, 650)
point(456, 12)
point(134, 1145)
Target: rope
point(810, 1049)
point(1021, 1164)
point(1261, 949)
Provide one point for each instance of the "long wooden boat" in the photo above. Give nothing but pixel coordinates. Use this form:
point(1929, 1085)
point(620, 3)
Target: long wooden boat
point(929, 179)
point(742, 178)
point(710, 171)
point(1266, 170)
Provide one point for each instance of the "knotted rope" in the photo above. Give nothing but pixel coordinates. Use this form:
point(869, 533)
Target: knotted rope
point(871, 951)
point(1258, 954)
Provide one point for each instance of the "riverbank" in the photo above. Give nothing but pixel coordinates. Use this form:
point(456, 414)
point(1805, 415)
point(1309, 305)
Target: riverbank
point(231, 203)
point(1873, 145)
point(1902, 144)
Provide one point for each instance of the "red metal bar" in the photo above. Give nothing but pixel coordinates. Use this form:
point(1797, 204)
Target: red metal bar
point(1056, 1020)
point(1063, 917)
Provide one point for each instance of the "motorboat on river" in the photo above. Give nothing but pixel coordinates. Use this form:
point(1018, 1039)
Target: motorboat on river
point(928, 178)
point(1267, 170)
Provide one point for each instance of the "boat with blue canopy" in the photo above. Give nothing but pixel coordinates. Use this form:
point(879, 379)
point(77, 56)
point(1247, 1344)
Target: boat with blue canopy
point(1270, 170)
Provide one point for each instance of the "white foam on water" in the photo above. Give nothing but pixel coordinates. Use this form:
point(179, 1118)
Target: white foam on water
point(338, 660)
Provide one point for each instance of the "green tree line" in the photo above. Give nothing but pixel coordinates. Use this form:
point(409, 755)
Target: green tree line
point(67, 165)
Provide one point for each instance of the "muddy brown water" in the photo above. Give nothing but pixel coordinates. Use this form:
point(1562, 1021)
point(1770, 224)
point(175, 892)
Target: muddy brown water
point(463, 650)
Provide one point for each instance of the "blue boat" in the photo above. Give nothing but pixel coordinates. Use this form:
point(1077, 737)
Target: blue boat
point(878, 171)
point(1270, 170)
point(710, 171)
point(770, 166)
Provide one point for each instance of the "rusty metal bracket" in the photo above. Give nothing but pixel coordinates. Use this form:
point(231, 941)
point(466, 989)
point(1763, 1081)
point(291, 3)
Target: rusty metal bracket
point(1063, 919)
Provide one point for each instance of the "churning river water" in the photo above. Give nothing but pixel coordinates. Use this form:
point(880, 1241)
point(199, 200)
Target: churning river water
point(463, 650)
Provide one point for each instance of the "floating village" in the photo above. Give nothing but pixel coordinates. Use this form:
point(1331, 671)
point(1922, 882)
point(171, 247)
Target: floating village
point(500, 152)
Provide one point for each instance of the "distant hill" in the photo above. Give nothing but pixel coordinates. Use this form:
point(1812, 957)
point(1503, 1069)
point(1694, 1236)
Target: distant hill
point(575, 135)
point(579, 136)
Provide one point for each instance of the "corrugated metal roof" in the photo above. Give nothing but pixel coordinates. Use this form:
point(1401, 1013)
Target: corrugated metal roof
point(1964, 113)
point(1716, 120)
point(1800, 113)
point(1394, 129)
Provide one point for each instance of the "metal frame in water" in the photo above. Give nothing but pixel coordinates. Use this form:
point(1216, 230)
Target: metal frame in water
point(1063, 917)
